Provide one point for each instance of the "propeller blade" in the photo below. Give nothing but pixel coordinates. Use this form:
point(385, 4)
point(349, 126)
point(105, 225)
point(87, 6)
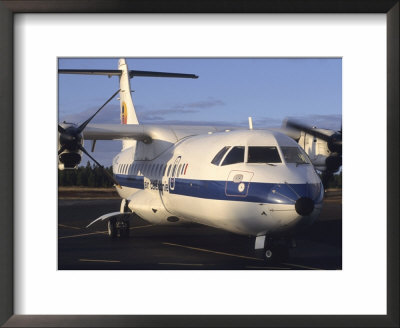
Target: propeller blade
point(102, 167)
point(307, 129)
point(83, 125)
point(61, 149)
point(60, 129)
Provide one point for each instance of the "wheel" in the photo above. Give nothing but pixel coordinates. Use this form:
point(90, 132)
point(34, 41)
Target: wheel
point(124, 231)
point(268, 254)
point(276, 254)
point(112, 229)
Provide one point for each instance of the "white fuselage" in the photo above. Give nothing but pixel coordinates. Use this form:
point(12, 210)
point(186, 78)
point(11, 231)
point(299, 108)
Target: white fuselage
point(182, 184)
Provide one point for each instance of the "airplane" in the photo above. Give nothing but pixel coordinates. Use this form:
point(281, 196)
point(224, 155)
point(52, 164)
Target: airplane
point(259, 183)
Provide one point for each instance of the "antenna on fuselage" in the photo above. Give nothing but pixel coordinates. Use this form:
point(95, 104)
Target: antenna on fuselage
point(250, 123)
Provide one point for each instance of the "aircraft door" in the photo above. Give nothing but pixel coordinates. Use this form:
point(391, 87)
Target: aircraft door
point(238, 183)
point(173, 173)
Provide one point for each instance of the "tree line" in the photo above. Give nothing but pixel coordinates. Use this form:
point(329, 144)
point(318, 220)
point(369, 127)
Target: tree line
point(86, 176)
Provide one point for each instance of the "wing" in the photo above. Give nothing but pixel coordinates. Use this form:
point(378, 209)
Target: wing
point(148, 133)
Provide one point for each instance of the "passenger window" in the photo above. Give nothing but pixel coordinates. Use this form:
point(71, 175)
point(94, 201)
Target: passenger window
point(220, 155)
point(263, 155)
point(183, 167)
point(236, 155)
point(174, 170)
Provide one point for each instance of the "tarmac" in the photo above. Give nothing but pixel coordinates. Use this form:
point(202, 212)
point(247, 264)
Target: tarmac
point(185, 247)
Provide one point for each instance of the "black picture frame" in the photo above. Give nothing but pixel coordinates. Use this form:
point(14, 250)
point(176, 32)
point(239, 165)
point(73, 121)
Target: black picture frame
point(7, 10)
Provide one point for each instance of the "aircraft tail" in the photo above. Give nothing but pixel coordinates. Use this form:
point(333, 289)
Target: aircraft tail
point(128, 113)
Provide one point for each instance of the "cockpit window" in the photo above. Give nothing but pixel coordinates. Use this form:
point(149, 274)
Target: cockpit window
point(236, 155)
point(263, 155)
point(294, 155)
point(220, 155)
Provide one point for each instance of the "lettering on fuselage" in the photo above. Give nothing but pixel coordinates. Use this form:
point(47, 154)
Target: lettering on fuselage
point(156, 185)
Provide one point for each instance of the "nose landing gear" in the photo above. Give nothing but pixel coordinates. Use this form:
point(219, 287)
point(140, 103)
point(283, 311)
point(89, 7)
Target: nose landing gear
point(271, 251)
point(118, 228)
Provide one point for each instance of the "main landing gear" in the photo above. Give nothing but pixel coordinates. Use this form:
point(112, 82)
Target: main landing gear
point(271, 251)
point(118, 228)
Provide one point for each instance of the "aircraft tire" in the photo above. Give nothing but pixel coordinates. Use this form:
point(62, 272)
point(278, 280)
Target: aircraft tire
point(276, 254)
point(125, 231)
point(269, 256)
point(112, 229)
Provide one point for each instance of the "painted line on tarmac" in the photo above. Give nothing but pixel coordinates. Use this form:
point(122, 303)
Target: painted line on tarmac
point(214, 252)
point(103, 261)
point(266, 267)
point(100, 232)
point(144, 226)
point(185, 264)
point(302, 266)
point(84, 234)
point(68, 226)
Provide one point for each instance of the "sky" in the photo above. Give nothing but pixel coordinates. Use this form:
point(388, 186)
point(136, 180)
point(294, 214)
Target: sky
point(227, 92)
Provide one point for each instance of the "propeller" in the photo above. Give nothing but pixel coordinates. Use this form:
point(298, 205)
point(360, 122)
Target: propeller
point(71, 138)
point(334, 142)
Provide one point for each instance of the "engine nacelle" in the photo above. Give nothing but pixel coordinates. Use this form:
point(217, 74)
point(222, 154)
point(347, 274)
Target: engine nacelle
point(70, 142)
point(68, 160)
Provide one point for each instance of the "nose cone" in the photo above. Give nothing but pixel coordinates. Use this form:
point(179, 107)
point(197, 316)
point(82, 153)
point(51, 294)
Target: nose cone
point(304, 206)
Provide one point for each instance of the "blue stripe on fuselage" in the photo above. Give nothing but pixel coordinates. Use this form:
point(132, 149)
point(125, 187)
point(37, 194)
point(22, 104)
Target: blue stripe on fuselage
point(132, 181)
point(258, 192)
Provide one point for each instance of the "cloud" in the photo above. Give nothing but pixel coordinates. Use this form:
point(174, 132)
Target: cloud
point(185, 108)
point(111, 114)
point(205, 103)
point(159, 114)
